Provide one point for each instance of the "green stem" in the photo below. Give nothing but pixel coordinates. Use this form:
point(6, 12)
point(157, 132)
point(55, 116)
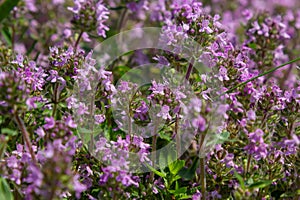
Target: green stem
point(178, 137)
point(260, 75)
point(78, 39)
point(154, 140)
point(189, 70)
point(92, 122)
point(26, 137)
point(55, 99)
point(202, 177)
point(248, 163)
point(202, 166)
point(13, 37)
point(122, 19)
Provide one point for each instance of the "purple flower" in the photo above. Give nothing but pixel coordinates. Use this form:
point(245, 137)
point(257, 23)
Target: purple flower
point(222, 110)
point(196, 104)
point(197, 195)
point(16, 176)
point(124, 86)
point(256, 145)
point(89, 15)
point(179, 95)
point(162, 60)
point(141, 111)
point(30, 73)
point(82, 109)
point(126, 180)
point(199, 123)
point(99, 119)
point(30, 4)
point(101, 144)
point(157, 88)
point(69, 122)
point(30, 102)
point(101, 15)
point(164, 112)
point(53, 76)
point(205, 27)
point(77, 186)
point(50, 123)
point(215, 195)
point(35, 176)
point(71, 102)
point(12, 162)
point(40, 131)
point(223, 74)
point(251, 115)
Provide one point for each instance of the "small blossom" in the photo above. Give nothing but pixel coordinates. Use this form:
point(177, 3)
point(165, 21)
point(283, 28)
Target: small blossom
point(199, 123)
point(99, 119)
point(164, 113)
point(251, 115)
point(50, 123)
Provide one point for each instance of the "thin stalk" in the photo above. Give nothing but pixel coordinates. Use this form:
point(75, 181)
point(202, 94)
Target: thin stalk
point(55, 99)
point(178, 137)
point(108, 115)
point(13, 30)
point(26, 137)
point(130, 99)
point(92, 121)
point(154, 140)
point(114, 195)
point(120, 25)
point(248, 163)
point(189, 70)
point(13, 37)
point(122, 20)
point(54, 109)
point(202, 167)
point(78, 40)
point(129, 125)
point(52, 193)
point(291, 128)
point(202, 177)
point(260, 75)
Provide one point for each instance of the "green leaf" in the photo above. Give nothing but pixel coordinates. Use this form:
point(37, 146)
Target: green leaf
point(171, 155)
point(260, 184)
point(240, 179)
point(176, 166)
point(6, 7)
point(174, 178)
point(6, 35)
point(223, 137)
point(9, 131)
point(252, 46)
point(178, 191)
point(119, 71)
point(167, 157)
point(62, 105)
point(218, 138)
point(186, 197)
point(189, 173)
point(2, 148)
point(161, 174)
point(84, 130)
point(5, 191)
point(165, 136)
point(85, 134)
point(163, 162)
